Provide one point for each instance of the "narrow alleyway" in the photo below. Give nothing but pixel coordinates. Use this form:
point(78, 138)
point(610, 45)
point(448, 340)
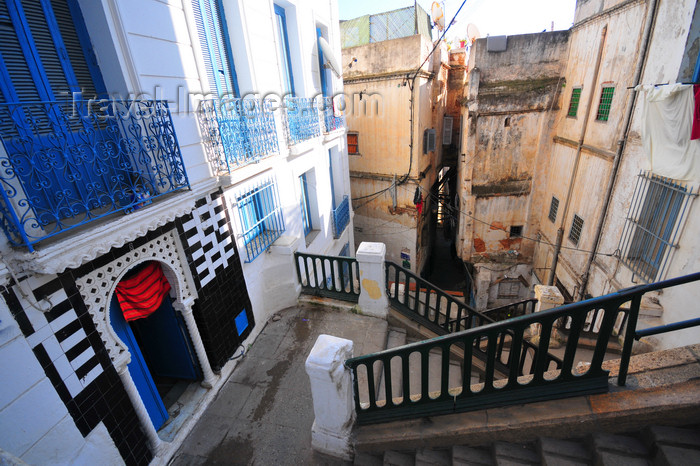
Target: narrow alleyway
point(264, 413)
point(447, 272)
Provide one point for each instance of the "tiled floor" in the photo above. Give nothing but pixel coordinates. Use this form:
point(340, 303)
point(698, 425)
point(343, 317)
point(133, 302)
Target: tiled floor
point(263, 414)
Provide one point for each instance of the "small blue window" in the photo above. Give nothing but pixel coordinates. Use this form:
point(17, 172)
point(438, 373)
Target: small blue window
point(261, 217)
point(283, 49)
point(241, 322)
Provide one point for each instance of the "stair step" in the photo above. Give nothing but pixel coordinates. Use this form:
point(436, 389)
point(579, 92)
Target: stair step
point(608, 458)
point(367, 459)
point(468, 456)
point(506, 453)
point(620, 444)
point(565, 452)
point(426, 457)
point(434, 372)
point(395, 458)
point(674, 436)
point(669, 455)
point(395, 337)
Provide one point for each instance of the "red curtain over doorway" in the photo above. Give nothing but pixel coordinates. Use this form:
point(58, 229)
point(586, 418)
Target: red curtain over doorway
point(142, 294)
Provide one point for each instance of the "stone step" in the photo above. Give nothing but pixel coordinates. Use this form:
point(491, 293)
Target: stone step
point(367, 459)
point(673, 445)
point(426, 457)
point(613, 450)
point(395, 458)
point(555, 452)
point(434, 372)
point(470, 456)
point(395, 337)
point(506, 453)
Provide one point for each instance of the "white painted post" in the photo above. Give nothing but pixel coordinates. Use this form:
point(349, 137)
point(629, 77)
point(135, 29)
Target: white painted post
point(548, 297)
point(185, 309)
point(373, 299)
point(331, 391)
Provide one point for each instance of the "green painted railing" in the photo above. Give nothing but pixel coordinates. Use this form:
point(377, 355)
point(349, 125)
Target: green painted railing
point(334, 277)
point(517, 309)
point(407, 370)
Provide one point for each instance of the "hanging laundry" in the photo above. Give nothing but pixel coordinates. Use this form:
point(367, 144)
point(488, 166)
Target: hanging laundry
point(418, 200)
point(667, 120)
point(695, 132)
point(142, 294)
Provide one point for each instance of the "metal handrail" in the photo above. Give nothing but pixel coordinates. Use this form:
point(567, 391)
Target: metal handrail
point(542, 384)
point(328, 276)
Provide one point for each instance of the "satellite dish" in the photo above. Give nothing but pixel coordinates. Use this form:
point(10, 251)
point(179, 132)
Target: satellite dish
point(472, 33)
point(438, 16)
point(328, 57)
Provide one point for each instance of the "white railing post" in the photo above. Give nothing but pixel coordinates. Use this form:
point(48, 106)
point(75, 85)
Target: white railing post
point(331, 392)
point(373, 299)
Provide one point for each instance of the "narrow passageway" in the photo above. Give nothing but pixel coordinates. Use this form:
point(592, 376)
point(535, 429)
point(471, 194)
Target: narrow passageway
point(446, 270)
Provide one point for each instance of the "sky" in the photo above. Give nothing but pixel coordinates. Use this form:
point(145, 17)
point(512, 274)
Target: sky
point(492, 17)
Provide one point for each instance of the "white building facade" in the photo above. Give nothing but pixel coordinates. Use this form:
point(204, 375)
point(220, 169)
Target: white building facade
point(193, 142)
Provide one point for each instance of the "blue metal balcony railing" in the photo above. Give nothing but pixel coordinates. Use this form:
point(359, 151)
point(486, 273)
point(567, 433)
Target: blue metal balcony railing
point(331, 121)
point(239, 131)
point(65, 164)
point(341, 217)
point(302, 119)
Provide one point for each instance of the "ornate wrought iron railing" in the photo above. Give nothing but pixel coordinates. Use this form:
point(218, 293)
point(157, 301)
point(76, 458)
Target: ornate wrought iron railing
point(341, 217)
point(66, 164)
point(329, 276)
point(406, 399)
point(238, 131)
point(331, 121)
point(302, 119)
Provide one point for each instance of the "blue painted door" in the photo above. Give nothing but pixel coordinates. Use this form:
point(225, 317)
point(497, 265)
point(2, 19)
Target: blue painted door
point(165, 343)
point(137, 367)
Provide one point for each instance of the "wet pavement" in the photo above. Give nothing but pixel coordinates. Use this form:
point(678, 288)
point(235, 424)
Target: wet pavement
point(263, 413)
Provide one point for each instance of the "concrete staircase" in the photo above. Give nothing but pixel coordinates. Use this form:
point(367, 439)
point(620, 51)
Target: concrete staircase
point(657, 445)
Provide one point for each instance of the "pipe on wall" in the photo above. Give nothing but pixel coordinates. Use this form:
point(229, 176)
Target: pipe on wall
point(646, 39)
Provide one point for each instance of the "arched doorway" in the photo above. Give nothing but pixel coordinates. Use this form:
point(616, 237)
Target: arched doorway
point(163, 361)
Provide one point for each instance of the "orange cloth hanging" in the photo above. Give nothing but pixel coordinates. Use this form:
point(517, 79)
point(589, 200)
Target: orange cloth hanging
point(141, 295)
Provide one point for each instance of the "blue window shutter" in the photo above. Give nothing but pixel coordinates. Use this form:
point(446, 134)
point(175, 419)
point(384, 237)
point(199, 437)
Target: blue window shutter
point(321, 69)
point(213, 37)
point(286, 61)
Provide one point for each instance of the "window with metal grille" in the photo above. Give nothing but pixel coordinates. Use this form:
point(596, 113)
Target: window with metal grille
point(576, 228)
point(261, 217)
point(353, 143)
point(428, 141)
point(447, 131)
point(653, 223)
point(516, 231)
point(606, 97)
point(553, 209)
point(509, 288)
point(573, 103)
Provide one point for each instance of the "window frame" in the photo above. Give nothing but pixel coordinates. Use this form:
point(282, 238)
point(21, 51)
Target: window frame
point(576, 229)
point(305, 206)
point(356, 144)
point(261, 217)
point(605, 103)
point(286, 61)
point(574, 104)
point(553, 209)
point(429, 143)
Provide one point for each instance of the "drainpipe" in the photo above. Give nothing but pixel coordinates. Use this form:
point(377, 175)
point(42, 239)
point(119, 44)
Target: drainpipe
point(651, 17)
point(574, 172)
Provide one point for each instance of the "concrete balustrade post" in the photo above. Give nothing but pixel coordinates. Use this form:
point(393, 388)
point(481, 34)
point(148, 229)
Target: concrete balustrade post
point(548, 297)
point(331, 391)
point(373, 298)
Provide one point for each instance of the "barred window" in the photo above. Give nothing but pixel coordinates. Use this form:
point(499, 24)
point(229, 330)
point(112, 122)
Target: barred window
point(553, 209)
point(576, 228)
point(261, 217)
point(353, 143)
point(606, 97)
point(652, 225)
point(573, 103)
point(428, 141)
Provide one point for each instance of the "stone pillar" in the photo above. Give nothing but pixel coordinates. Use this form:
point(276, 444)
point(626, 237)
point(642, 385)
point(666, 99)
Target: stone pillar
point(373, 299)
point(280, 275)
point(153, 440)
point(548, 297)
point(185, 309)
point(331, 391)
